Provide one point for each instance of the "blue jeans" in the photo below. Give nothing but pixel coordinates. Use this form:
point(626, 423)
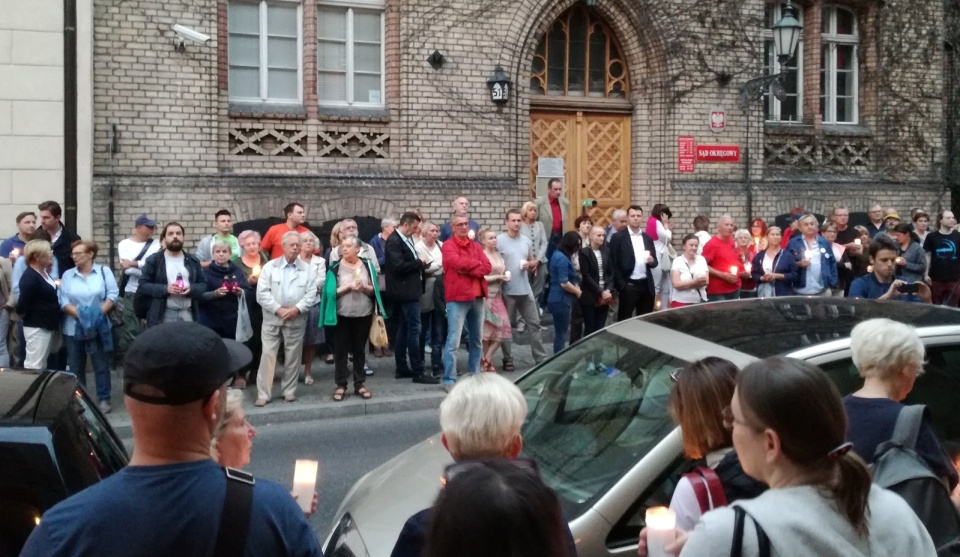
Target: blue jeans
point(407, 316)
point(433, 325)
point(735, 295)
point(460, 314)
point(77, 357)
point(561, 324)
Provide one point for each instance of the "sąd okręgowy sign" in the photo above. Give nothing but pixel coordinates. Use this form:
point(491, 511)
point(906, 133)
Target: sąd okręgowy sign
point(718, 153)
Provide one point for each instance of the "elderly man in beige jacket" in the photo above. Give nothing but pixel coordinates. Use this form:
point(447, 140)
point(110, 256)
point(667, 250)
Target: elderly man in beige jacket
point(286, 290)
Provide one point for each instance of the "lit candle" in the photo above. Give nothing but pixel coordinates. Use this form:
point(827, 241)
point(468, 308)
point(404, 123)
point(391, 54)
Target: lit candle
point(857, 242)
point(15, 253)
point(255, 272)
point(471, 234)
point(747, 267)
point(646, 255)
point(57, 283)
point(756, 242)
point(506, 275)
point(869, 268)
point(808, 254)
point(305, 483)
point(358, 274)
point(733, 269)
point(661, 530)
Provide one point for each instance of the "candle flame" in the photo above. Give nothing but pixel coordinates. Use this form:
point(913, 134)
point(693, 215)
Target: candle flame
point(255, 271)
point(661, 518)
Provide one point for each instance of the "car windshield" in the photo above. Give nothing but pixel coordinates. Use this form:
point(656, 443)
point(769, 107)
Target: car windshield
point(594, 410)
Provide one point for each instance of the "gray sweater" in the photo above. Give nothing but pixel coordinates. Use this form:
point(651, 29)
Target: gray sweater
point(916, 263)
point(800, 522)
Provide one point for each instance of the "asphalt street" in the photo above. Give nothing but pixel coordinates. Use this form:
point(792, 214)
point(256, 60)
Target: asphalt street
point(347, 448)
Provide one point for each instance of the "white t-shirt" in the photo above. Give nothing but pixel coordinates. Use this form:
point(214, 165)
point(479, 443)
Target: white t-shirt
point(129, 249)
point(685, 271)
point(175, 265)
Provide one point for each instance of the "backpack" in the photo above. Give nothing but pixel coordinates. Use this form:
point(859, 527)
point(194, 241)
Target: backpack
point(724, 484)
point(898, 468)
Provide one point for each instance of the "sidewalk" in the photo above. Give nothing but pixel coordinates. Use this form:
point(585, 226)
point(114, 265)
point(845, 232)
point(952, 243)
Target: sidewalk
point(315, 402)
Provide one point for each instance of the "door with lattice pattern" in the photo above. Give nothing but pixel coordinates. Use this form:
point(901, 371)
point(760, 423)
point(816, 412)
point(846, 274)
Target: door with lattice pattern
point(595, 149)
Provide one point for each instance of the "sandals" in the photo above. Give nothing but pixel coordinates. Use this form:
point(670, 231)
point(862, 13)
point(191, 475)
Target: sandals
point(339, 394)
point(507, 365)
point(363, 393)
point(240, 383)
point(308, 380)
point(260, 403)
point(487, 366)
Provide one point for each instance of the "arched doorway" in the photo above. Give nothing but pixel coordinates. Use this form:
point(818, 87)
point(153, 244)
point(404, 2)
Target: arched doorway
point(580, 112)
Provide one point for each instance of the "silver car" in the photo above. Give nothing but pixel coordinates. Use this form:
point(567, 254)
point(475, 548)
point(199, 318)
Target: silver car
point(598, 424)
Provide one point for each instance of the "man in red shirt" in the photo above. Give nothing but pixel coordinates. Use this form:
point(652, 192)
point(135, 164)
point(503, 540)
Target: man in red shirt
point(721, 255)
point(295, 215)
point(464, 268)
point(552, 211)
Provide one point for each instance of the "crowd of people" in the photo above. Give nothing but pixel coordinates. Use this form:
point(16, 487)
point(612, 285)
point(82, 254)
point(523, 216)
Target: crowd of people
point(433, 285)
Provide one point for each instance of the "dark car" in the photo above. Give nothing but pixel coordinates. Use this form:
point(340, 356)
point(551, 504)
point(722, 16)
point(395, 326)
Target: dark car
point(54, 442)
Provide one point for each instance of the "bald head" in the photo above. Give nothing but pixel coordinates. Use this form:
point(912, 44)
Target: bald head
point(725, 227)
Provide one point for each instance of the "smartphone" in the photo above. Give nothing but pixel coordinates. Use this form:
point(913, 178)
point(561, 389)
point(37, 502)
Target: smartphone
point(910, 288)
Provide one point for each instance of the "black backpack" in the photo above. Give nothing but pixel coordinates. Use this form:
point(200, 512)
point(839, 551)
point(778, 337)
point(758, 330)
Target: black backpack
point(899, 468)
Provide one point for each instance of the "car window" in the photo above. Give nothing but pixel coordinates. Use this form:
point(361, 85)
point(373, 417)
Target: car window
point(102, 439)
point(936, 388)
point(594, 410)
point(626, 532)
point(29, 485)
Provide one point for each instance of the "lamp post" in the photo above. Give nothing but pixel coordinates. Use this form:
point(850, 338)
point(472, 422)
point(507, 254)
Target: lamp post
point(786, 37)
point(499, 85)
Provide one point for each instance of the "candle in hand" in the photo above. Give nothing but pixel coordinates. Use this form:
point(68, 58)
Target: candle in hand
point(747, 267)
point(255, 272)
point(857, 242)
point(646, 255)
point(756, 243)
point(305, 482)
point(661, 530)
point(733, 269)
point(808, 254)
point(15, 253)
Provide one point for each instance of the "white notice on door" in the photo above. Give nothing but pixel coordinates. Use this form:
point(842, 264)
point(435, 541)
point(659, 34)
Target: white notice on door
point(374, 97)
point(550, 167)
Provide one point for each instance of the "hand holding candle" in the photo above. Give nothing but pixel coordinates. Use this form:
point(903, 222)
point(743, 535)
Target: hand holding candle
point(661, 530)
point(304, 482)
point(748, 267)
point(14, 253)
point(255, 272)
point(857, 242)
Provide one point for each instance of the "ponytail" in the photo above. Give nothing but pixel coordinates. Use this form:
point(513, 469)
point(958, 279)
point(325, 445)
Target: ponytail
point(851, 490)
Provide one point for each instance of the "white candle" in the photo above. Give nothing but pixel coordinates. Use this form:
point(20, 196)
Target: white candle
point(808, 254)
point(646, 255)
point(506, 274)
point(524, 264)
point(57, 283)
point(305, 482)
point(747, 267)
point(255, 272)
point(471, 234)
point(15, 253)
point(733, 269)
point(661, 530)
point(857, 242)
point(756, 243)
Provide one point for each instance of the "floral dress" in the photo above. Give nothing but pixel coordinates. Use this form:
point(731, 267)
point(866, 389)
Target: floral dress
point(496, 322)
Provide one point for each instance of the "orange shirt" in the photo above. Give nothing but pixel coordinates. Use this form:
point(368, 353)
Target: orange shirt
point(271, 240)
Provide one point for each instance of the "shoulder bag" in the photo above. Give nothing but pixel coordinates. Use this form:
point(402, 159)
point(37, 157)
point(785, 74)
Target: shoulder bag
point(126, 278)
point(116, 312)
point(763, 542)
point(235, 517)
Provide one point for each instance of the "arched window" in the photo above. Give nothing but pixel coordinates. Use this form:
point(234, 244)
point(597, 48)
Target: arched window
point(579, 57)
point(838, 66)
point(790, 109)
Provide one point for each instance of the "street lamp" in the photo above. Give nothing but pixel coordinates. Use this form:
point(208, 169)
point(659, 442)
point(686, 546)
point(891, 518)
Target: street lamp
point(786, 36)
point(499, 84)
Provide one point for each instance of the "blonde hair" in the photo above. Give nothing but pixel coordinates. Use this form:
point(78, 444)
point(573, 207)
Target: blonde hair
point(35, 249)
point(525, 208)
point(335, 236)
point(233, 405)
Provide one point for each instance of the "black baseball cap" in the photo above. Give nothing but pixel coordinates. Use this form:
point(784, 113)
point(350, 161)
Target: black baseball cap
point(179, 363)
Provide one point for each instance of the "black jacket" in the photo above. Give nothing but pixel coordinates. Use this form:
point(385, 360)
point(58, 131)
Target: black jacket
point(621, 251)
point(62, 249)
point(404, 270)
point(38, 303)
point(590, 271)
point(153, 283)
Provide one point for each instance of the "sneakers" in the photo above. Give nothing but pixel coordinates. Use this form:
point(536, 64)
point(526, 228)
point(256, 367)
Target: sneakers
point(427, 349)
point(105, 407)
point(367, 370)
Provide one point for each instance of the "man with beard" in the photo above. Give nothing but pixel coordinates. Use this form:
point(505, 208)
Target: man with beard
point(173, 281)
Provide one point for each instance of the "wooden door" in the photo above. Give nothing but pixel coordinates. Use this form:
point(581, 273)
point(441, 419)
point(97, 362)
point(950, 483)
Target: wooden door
point(595, 149)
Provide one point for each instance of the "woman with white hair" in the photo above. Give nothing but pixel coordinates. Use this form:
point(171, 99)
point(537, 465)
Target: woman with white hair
point(313, 335)
point(747, 250)
point(226, 282)
point(890, 358)
point(251, 262)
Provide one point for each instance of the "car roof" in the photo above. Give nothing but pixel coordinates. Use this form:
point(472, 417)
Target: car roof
point(772, 326)
point(36, 397)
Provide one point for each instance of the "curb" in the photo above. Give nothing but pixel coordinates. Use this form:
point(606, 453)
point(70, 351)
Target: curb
point(278, 412)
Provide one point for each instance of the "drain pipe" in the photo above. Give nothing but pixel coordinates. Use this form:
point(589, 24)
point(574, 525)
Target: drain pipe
point(111, 202)
point(70, 113)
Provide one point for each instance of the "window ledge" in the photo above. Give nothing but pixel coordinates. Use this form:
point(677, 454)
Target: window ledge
point(353, 114)
point(270, 110)
point(788, 128)
point(846, 129)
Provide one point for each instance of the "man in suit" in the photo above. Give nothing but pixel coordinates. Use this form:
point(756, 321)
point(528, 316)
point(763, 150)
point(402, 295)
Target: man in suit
point(404, 268)
point(633, 258)
point(552, 211)
point(61, 237)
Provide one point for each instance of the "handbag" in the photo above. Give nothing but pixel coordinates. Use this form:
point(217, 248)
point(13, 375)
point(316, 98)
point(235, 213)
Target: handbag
point(116, 312)
point(378, 330)
point(244, 330)
point(126, 278)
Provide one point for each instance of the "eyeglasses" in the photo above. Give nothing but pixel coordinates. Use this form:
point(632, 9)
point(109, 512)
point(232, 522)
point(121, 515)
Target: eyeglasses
point(462, 224)
point(675, 375)
point(460, 467)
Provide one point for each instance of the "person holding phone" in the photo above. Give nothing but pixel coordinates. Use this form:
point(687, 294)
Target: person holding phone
point(881, 284)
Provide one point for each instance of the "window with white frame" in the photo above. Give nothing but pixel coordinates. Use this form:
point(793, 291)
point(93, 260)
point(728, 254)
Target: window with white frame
point(838, 66)
point(265, 46)
point(790, 109)
point(350, 65)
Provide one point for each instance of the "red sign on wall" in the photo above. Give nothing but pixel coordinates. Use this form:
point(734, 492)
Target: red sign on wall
point(718, 153)
point(686, 153)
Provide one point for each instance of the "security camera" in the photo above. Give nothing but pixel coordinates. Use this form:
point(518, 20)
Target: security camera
point(188, 34)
